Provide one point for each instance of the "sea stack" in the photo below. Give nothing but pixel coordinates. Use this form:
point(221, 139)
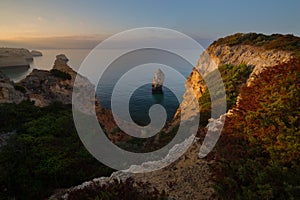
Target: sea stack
point(157, 82)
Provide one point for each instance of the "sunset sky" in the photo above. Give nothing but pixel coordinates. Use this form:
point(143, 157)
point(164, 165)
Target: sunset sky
point(34, 20)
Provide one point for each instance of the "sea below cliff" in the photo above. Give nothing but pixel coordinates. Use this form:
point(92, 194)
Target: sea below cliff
point(141, 100)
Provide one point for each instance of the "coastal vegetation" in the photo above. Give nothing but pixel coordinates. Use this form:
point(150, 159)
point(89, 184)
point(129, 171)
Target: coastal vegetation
point(44, 154)
point(258, 154)
point(61, 74)
point(275, 41)
point(233, 78)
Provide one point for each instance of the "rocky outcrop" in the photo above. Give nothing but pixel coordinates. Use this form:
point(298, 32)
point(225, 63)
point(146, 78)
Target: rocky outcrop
point(45, 87)
point(9, 92)
point(36, 53)
point(157, 82)
point(14, 57)
point(61, 64)
point(63, 58)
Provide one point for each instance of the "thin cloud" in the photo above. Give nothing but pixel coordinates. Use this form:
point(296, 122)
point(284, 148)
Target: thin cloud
point(40, 19)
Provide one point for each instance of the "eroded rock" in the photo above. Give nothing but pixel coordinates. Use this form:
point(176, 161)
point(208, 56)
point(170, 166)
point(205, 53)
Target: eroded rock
point(9, 92)
point(157, 82)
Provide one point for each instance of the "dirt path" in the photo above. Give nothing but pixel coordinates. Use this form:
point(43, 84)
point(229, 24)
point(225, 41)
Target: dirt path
point(187, 178)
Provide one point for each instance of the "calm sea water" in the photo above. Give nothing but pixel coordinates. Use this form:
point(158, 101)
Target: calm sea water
point(141, 99)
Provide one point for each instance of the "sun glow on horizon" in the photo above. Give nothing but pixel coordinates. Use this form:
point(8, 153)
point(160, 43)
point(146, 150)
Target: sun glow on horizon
point(25, 21)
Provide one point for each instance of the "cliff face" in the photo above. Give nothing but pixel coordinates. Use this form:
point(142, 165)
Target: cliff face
point(217, 54)
point(258, 57)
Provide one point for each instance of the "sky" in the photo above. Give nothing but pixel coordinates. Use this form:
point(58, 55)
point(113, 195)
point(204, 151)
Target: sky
point(43, 22)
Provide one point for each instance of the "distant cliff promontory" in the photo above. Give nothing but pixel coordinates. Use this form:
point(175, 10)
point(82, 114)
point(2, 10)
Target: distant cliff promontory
point(17, 57)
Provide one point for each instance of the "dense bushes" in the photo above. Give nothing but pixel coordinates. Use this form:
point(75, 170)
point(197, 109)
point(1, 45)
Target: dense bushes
point(233, 78)
point(258, 154)
point(275, 41)
point(20, 88)
point(44, 154)
point(61, 74)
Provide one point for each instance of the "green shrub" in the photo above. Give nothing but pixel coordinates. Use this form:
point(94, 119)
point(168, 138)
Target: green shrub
point(44, 154)
point(275, 41)
point(20, 88)
point(258, 154)
point(233, 78)
point(61, 74)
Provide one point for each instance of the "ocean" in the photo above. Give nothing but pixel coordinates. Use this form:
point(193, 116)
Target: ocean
point(141, 99)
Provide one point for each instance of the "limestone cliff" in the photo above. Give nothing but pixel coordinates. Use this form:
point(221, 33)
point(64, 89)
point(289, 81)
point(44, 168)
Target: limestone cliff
point(219, 53)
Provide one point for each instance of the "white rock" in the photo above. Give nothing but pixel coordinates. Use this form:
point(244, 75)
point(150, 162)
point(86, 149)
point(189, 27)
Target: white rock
point(159, 78)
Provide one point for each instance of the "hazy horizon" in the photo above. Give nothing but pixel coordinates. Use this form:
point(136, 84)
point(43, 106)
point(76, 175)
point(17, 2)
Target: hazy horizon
point(83, 24)
point(69, 42)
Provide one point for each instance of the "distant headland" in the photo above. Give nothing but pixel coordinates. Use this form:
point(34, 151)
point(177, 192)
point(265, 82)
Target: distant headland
point(17, 57)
